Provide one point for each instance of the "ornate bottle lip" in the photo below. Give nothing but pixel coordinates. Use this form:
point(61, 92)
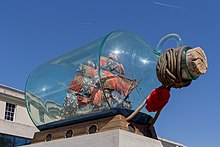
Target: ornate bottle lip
point(185, 67)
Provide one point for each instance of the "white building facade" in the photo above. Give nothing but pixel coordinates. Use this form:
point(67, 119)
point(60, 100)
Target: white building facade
point(16, 127)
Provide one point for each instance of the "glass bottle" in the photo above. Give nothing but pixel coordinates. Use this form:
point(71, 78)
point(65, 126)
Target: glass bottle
point(117, 71)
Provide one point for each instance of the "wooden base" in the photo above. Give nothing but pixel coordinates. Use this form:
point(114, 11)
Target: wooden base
point(94, 126)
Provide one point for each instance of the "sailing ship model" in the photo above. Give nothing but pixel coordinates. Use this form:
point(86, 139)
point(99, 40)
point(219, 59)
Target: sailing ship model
point(85, 91)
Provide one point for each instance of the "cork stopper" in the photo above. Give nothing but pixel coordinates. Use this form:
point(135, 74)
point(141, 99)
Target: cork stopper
point(196, 61)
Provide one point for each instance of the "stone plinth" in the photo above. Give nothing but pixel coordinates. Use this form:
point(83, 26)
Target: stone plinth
point(112, 138)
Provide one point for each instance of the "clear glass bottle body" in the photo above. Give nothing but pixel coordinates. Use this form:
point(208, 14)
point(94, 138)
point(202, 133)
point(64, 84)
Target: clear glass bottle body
point(116, 71)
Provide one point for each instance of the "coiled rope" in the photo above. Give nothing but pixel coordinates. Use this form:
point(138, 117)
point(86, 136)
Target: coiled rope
point(169, 69)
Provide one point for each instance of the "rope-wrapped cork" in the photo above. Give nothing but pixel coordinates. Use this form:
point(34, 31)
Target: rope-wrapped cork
point(176, 68)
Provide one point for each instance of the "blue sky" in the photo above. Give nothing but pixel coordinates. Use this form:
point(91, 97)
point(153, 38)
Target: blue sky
point(32, 32)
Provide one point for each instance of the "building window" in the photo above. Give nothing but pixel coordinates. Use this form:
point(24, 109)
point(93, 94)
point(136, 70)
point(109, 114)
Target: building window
point(9, 111)
point(13, 141)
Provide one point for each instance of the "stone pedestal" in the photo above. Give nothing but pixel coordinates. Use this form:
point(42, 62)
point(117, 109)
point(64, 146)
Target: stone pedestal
point(112, 138)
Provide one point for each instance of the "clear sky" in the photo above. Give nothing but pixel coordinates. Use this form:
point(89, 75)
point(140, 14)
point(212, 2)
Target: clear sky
point(32, 32)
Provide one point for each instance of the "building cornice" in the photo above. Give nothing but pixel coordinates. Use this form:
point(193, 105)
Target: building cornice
point(9, 94)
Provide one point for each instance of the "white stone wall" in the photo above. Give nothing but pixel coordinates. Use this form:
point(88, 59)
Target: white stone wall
point(2, 109)
point(22, 125)
point(17, 129)
point(21, 116)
